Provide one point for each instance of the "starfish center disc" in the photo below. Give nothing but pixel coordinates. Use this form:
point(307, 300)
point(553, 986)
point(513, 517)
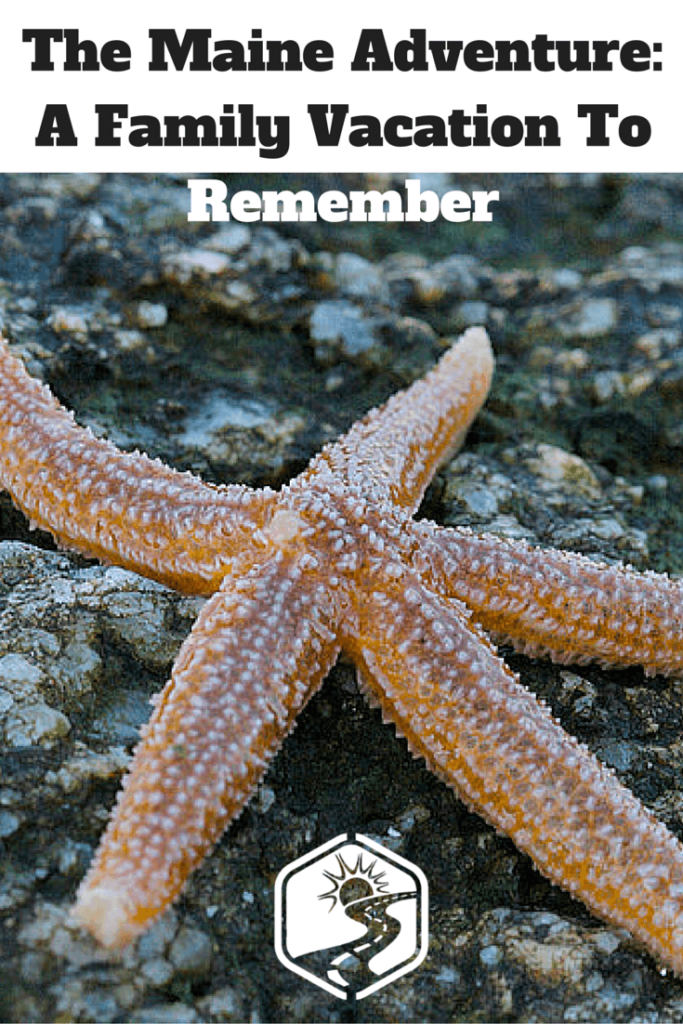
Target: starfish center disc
point(285, 526)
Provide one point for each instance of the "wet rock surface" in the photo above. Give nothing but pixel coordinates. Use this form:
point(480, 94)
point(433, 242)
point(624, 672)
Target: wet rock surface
point(237, 351)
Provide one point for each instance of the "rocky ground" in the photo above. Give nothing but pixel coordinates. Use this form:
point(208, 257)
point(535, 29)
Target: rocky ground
point(237, 351)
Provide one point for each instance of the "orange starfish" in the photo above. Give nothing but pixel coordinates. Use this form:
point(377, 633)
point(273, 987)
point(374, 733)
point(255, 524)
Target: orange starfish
point(335, 562)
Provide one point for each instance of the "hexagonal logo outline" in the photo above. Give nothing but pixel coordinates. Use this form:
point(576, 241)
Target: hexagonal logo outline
point(325, 896)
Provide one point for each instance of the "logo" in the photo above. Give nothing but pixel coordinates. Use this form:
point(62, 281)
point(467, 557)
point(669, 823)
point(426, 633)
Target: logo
point(351, 916)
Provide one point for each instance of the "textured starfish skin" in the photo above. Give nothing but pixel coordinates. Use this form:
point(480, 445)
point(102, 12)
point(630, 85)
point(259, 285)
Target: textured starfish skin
point(335, 562)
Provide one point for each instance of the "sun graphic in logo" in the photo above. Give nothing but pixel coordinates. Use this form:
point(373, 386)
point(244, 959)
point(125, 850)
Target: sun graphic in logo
point(354, 883)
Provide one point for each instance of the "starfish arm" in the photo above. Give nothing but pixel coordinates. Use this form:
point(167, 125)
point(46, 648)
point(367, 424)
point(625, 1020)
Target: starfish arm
point(258, 651)
point(441, 682)
point(392, 454)
point(555, 603)
point(119, 507)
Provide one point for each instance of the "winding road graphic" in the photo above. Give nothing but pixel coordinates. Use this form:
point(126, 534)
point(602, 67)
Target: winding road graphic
point(348, 962)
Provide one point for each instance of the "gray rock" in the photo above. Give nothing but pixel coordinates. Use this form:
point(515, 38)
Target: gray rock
point(591, 318)
point(340, 327)
point(360, 278)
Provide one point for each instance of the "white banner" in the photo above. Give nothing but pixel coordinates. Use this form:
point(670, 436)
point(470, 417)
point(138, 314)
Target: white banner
point(217, 87)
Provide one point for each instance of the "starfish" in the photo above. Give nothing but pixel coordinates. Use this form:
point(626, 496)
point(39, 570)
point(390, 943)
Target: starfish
point(335, 562)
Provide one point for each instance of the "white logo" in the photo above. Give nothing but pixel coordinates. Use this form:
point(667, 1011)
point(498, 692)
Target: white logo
point(351, 916)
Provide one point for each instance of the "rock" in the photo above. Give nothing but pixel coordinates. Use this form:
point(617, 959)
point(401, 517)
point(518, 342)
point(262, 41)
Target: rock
point(26, 718)
point(151, 314)
point(190, 952)
point(552, 466)
point(340, 327)
point(360, 278)
point(591, 318)
point(471, 314)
